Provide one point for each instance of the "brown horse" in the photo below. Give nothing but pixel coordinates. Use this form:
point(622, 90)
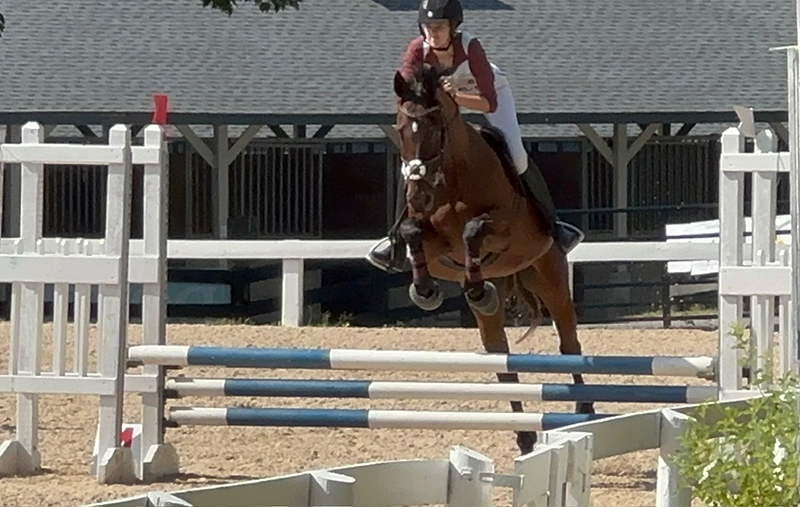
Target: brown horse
point(469, 222)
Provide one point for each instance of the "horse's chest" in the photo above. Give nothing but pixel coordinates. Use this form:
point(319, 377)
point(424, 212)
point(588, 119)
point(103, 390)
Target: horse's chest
point(449, 220)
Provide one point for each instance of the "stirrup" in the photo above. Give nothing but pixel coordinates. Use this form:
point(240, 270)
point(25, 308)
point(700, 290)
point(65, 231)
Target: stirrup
point(383, 256)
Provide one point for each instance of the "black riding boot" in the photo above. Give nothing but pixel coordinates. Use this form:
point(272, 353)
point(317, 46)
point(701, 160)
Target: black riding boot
point(566, 235)
point(389, 254)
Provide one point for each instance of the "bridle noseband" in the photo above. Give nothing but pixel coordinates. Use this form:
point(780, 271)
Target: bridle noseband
point(417, 168)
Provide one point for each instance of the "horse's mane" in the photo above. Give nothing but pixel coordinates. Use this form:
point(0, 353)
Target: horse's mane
point(424, 84)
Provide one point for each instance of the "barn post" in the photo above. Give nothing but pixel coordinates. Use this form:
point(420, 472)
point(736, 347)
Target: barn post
point(219, 157)
point(619, 156)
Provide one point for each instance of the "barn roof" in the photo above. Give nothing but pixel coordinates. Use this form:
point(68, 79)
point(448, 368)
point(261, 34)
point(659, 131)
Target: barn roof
point(332, 62)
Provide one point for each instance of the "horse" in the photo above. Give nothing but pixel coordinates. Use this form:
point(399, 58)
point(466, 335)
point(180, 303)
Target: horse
point(467, 220)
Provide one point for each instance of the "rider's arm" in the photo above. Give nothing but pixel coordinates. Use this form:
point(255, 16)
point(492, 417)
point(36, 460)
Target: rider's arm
point(486, 102)
point(412, 58)
point(474, 102)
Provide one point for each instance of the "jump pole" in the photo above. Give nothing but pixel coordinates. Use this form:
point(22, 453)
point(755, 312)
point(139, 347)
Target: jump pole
point(374, 419)
point(400, 360)
point(178, 388)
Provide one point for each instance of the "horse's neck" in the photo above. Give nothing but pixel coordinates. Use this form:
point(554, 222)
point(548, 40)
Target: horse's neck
point(471, 179)
point(458, 143)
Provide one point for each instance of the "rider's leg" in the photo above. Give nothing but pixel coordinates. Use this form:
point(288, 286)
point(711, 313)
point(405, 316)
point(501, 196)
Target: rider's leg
point(389, 254)
point(505, 119)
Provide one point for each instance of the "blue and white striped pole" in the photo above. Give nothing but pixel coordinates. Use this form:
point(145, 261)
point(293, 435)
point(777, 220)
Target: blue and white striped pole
point(374, 419)
point(401, 360)
point(186, 387)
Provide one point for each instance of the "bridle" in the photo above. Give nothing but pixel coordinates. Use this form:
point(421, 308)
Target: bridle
point(417, 168)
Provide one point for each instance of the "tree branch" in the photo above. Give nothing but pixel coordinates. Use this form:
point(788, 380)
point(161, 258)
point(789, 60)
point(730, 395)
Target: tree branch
point(226, 6)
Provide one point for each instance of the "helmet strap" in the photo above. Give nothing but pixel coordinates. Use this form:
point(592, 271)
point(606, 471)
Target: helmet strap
point(445, 48)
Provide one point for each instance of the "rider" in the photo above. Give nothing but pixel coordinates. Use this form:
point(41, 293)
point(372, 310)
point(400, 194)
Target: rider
point(475, 84)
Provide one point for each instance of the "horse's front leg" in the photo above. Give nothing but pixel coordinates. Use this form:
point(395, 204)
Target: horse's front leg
point(424, 291)
point(481, 295)
point(495, 341)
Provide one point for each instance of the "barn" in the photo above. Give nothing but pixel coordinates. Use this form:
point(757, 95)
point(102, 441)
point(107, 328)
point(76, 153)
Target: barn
point(280, 126)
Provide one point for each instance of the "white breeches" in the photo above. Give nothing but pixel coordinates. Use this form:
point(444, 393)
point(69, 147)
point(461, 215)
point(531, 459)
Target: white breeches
point(505, 118)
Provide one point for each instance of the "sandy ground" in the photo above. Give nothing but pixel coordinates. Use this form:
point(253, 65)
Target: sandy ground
point(211, 455)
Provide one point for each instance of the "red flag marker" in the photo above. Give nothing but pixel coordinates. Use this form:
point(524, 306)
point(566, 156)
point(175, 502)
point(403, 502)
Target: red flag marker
point(160, 102)
point(126, 437)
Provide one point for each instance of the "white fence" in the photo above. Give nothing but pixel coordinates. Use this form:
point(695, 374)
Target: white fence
point(767, 275)
point(25, 263)
point(294, 253)
point(30, 262)
point(557, 473)
point(465, 479)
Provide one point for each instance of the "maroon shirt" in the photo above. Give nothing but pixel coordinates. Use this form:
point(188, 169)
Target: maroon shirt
point(478, 64)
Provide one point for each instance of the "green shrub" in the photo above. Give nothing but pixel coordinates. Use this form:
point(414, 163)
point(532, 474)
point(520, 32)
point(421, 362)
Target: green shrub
point(734, 457)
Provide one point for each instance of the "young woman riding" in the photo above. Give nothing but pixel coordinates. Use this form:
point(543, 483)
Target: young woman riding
point(478, 85)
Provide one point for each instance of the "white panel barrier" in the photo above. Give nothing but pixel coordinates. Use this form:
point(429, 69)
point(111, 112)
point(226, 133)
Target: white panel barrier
point(30, 261)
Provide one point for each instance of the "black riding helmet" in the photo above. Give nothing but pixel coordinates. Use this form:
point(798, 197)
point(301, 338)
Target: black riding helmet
point(436, 10)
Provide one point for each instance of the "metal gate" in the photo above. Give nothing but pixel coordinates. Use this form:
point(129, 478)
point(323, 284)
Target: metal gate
point(274, 191)
point(670, 179)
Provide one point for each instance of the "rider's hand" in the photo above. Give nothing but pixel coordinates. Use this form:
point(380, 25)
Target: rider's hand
point(447, 86)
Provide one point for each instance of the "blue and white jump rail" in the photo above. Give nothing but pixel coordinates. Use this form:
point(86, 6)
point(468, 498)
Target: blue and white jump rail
point(403, 360)
point(194, 387)
point(373, 419)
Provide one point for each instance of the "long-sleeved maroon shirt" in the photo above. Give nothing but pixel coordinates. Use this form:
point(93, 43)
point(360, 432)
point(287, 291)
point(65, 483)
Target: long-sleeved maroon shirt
point(473, 72)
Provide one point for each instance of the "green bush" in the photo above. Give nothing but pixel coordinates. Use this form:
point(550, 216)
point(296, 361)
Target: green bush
point(734, 457)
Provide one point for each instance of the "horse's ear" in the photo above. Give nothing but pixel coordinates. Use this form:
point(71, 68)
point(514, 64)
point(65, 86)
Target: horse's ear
point(401, 86)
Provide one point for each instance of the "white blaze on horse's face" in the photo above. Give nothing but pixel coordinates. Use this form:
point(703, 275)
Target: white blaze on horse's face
point(414, 170)
point(415, 127)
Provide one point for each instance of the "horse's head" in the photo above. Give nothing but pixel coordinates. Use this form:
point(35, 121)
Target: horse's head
point(424, 115)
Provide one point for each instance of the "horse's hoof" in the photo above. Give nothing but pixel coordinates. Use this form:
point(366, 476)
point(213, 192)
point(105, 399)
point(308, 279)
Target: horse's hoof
point(584, 408)
point(489, 303)
point(525, 441)
point(428, 303)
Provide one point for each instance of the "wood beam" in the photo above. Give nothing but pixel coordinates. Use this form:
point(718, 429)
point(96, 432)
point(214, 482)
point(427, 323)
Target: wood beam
point(48, 130)
point(87, 131)
point(597, 141)
point(11, 221)
point(220, 166)
point(685, 129)
point(278, 130)
point(391, 133)
point(640, 141)
point(323, 131)
point(202, 148)
point(241, 143)
point(299, 131)
point(620, 165)
point(781, 130)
